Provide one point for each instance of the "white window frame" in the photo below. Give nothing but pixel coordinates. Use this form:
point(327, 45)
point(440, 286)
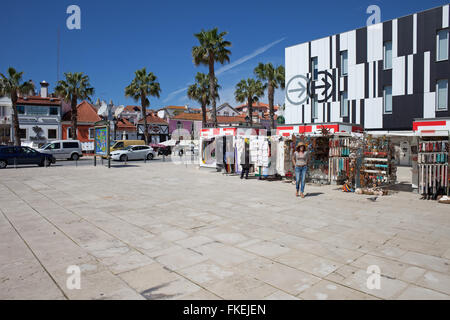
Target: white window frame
point(344, 108)
point(91, 133)
point(344, 72)
point(315, 111)
point(67, 133)
point(437, 45)
point(437, 96)
point(384, 56)
point(384, 101)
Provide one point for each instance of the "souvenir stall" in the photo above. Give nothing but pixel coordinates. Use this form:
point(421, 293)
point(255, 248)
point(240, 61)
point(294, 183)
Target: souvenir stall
point(433, 157)
point(378, 169)
point(317, 139)
point(344, 159)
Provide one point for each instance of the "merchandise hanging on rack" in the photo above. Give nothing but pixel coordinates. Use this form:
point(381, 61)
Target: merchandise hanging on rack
point(378, 168)
point(433, 162)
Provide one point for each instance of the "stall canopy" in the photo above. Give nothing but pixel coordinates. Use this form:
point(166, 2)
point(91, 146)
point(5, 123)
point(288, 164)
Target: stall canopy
point(315, 128)
point(431, 126)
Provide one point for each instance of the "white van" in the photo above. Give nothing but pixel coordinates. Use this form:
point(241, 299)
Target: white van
point(63, 149)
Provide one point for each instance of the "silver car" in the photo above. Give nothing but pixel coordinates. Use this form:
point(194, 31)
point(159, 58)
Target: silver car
point(63, 149)
point(134, 153)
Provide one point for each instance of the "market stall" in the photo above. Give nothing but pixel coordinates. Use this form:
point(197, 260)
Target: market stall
point(433, 157)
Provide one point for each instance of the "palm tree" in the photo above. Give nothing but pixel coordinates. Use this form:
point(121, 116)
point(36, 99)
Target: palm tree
point(75, 87)
point(13, 87)
point(250, 90)
point(199, 91)
point(274, 78)
point(212, 49)
point(141, 87)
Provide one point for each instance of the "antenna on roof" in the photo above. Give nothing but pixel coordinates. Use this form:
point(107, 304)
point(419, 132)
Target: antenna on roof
point(103, 111)
point(118, 111)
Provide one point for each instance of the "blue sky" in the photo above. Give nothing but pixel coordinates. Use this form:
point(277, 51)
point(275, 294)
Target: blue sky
point(118, 37)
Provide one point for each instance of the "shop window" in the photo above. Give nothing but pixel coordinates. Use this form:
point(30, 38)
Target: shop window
point(387, 99)
point(442, 95)
point(52, 134)
point(23, 133)
point(344, 104)
point(442, 45)
point(344, 63)
point(387, 59)
point(315, 108)
point(314, 68)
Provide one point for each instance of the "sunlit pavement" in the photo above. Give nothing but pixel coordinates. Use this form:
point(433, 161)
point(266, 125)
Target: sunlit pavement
point(157, 230)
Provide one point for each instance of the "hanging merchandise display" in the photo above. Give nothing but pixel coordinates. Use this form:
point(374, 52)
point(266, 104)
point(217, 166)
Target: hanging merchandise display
point(378, 167)
point(318, 148)
point(433, 166)
point(208, 152)
point(345, 151)
point(288, 151)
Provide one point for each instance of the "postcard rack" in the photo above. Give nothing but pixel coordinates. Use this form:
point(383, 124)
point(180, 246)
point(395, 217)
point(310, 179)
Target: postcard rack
point(339, 160)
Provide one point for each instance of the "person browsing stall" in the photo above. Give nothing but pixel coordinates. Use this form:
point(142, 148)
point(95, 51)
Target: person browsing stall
point(300, 162)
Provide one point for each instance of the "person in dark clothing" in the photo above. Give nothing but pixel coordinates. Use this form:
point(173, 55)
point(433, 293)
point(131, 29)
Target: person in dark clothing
point(246, 162)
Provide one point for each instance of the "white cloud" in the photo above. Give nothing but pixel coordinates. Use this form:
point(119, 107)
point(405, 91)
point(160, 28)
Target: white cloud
point(228, 67)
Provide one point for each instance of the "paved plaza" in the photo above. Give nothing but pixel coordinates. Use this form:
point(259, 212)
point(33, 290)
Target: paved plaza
point(157, 230)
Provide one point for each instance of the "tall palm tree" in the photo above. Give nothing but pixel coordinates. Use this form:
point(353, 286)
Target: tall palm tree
point(212, 49)
point(199, 91)
point(250, 90)
point(75, 87)
point(12, 86)
point(141, 87)
point(274, 78)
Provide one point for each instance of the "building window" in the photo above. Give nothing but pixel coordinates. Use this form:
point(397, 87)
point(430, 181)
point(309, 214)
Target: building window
point(314, 68)
point(52, 134)
point(2, 111)
point(92, 133)
point(23, 133)
point(226, 113)
point(53, 111)
point(344, 104)
point(315, 107)
point(69, 133)
point(442, 45)
point(344, 63)
point(387, 99)
point(179, 125)
point(441, 95)
point(387, 55)
point(21, 109)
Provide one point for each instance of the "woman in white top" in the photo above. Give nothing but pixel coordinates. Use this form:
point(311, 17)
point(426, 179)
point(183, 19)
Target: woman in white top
point(300, 162)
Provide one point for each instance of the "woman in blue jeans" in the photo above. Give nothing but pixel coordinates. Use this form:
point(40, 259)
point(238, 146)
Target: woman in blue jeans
point(300, 162)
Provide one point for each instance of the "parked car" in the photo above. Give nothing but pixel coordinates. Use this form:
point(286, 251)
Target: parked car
point(63, 149)
point(23, 155)
point(164, 151)
point(134, 153)
point(121, 144)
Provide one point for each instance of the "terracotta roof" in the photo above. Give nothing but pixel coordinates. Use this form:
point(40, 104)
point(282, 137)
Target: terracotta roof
point(255, 105)
point(153, 118)
point(124, 124)
point(198, 117)
point(39, 101)
point(133, 108)
point(175, 107)
point(86, 112)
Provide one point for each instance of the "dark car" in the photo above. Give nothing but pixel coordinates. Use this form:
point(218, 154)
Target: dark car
point(23, 155)
point(164, 151)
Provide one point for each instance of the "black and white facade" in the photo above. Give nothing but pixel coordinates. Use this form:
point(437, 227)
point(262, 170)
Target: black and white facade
point(381, 77)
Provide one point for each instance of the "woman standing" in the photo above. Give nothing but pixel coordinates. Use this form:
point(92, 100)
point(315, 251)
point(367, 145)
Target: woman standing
point(300, 162)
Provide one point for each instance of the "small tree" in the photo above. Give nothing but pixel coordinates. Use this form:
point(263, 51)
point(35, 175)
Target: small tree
point(199, 91)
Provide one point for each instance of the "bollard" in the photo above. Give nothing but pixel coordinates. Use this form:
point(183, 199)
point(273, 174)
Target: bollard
point(15, 163)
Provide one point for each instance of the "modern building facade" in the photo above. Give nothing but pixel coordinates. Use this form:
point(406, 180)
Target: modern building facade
point(380, 77)
point(5, 120)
